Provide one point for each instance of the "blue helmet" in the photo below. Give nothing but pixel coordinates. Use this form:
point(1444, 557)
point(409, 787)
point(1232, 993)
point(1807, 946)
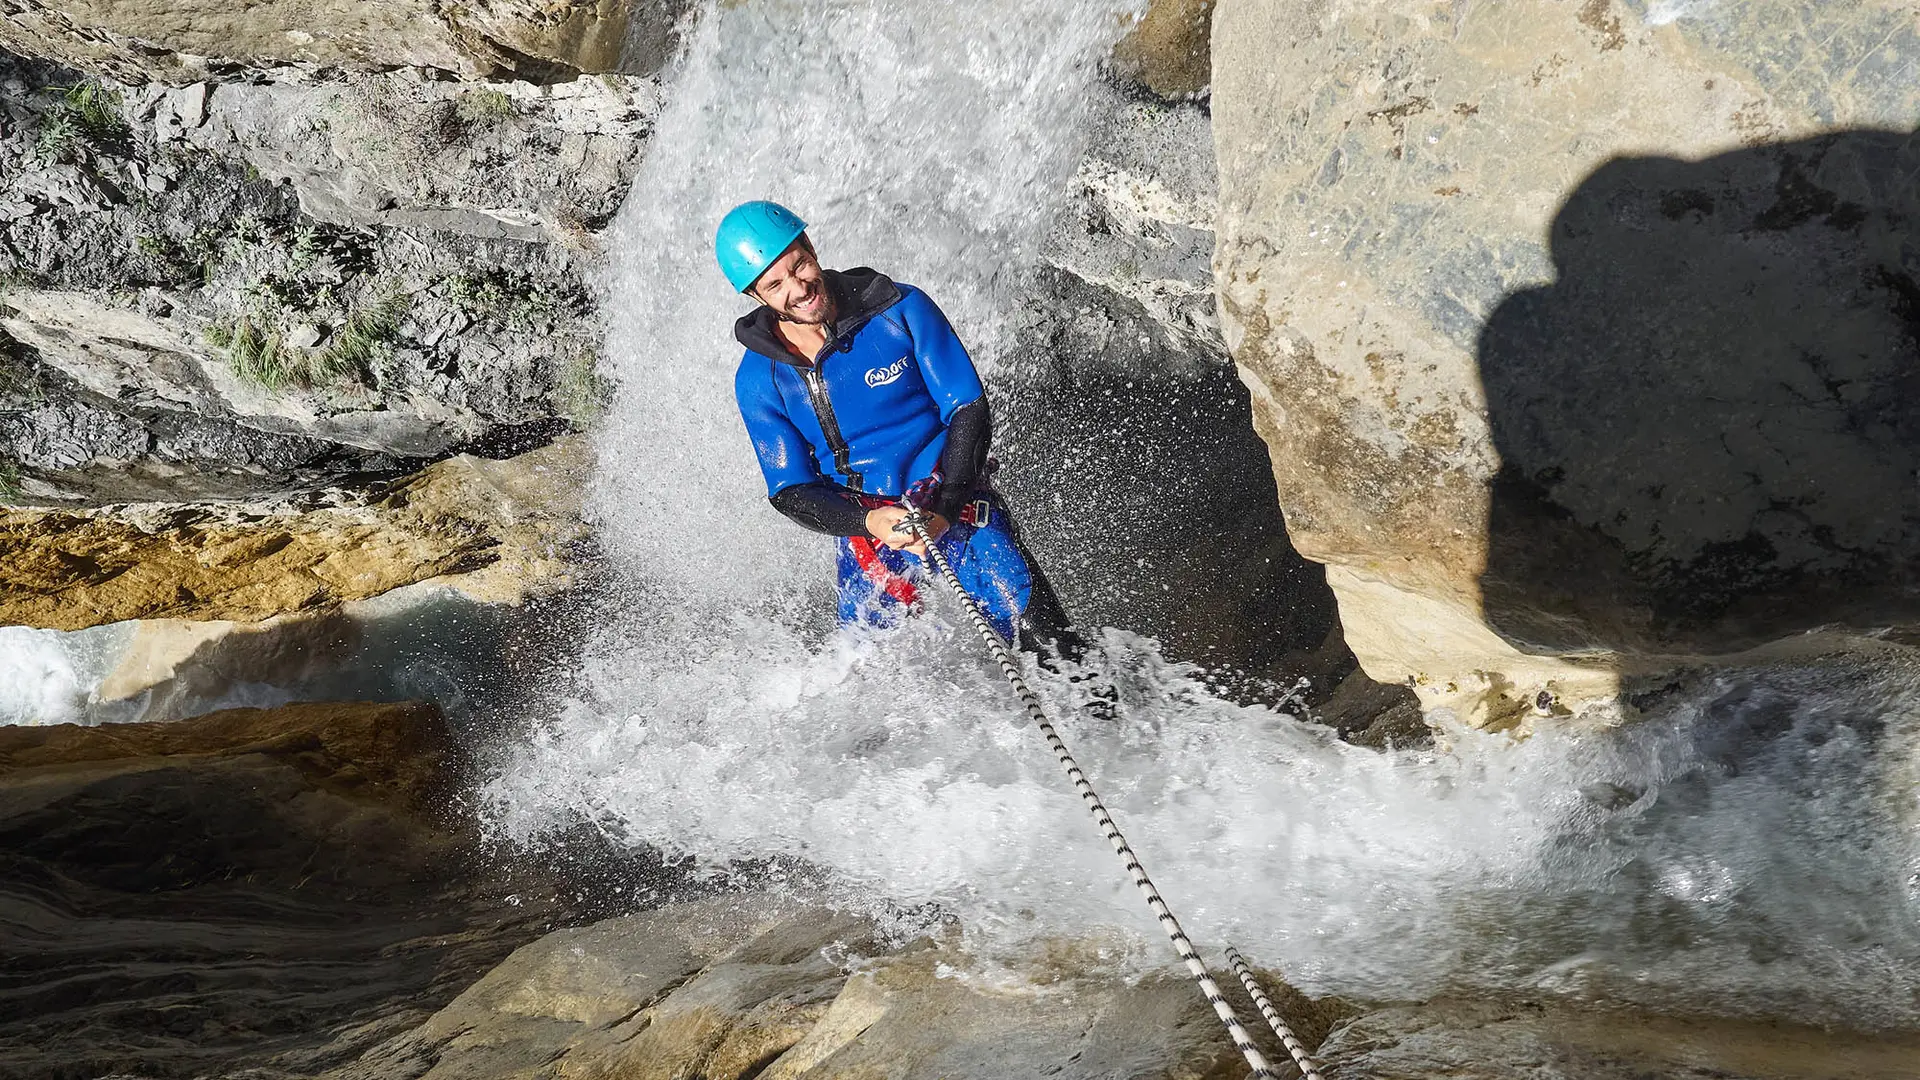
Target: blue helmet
point(751, 237)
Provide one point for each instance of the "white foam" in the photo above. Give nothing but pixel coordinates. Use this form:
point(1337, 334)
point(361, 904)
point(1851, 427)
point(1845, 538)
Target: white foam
point(49, 676)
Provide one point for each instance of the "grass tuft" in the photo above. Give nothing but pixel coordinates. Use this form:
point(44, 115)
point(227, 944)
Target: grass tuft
point(366, 337)
point(84, 112)
point(258, 355)
point(257, 351)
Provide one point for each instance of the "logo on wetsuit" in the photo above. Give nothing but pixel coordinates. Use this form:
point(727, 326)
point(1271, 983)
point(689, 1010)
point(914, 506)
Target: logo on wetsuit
point(882, 376)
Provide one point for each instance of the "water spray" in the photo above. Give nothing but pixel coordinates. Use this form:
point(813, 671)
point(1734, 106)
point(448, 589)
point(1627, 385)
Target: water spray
point(915, 523)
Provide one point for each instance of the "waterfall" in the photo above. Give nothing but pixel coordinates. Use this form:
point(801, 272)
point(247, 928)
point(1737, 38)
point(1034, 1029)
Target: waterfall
point(1751, 850)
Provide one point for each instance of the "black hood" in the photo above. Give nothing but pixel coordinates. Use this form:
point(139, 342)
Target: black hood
point(858, 295)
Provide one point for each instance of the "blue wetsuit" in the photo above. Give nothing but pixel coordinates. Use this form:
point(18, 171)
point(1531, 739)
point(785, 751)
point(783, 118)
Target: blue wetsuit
point(890, 405)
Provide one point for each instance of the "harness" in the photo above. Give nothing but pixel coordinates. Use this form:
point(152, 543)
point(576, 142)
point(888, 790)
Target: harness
point(978, 513)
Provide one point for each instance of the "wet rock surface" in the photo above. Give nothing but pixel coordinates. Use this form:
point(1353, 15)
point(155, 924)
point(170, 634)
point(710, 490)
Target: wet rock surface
point(183, 897)
point(752, 985)
point(1577, 332)
point(1131, 438)
point(1501, 1039)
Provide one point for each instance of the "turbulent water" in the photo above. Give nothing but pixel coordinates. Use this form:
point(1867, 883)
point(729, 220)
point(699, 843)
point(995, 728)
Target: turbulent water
point(1753, 850)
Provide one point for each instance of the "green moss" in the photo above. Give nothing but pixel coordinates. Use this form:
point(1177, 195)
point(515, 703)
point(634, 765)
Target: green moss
point(505, 299)
point(476, 106)
point(580, 394)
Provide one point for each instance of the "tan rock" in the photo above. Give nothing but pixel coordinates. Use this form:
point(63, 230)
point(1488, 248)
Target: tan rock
point(574, 1002)
point(1168, 51)
point(1573, 333)
point(498, 530)
point(776, 988)
point(174, 663)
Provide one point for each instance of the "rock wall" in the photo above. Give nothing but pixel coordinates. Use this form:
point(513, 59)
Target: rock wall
point(440, 585)
point(177, 42)
point(1582, 334)
point(220, 290)
point(271, 283)
point(1127, 432)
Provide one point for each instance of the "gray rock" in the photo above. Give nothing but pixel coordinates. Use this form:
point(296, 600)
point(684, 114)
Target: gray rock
point(181, 42)
point(306, 336)
point(198, 291)
point(497, 161)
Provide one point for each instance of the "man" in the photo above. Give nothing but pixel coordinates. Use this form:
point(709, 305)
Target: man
point(858, 395)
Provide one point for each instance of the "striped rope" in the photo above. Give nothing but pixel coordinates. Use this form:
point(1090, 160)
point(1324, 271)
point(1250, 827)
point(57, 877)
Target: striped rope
point(1308, 1070)
point(1242, 1041)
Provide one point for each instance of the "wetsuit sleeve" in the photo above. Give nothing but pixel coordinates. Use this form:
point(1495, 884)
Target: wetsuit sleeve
point(955, 386)
point(965, 455)
point(786, 460)
point(824, 507)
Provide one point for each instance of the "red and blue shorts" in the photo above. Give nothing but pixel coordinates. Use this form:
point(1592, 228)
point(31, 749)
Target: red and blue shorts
point(879, 586)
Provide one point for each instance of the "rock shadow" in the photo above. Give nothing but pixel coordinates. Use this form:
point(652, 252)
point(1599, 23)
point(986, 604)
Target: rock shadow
point(1710, 422)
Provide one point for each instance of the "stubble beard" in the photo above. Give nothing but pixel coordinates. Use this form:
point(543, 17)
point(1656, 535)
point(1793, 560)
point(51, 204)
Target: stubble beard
point(819, 318)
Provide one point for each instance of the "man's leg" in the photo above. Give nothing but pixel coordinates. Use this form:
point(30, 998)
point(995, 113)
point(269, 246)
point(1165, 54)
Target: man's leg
point(1002, 566)
point(873, 585)
point(1045, 629)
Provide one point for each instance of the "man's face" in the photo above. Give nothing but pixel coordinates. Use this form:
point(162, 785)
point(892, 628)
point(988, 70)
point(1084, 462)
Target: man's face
point(794, 287)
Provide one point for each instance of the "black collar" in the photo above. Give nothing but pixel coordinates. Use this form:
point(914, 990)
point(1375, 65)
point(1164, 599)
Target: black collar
point(858, 295)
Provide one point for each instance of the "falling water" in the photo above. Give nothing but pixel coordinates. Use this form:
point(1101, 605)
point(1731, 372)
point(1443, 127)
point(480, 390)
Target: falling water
point(1751, 851)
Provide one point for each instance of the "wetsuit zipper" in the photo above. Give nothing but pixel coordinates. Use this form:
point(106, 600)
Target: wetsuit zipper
point(829, 424)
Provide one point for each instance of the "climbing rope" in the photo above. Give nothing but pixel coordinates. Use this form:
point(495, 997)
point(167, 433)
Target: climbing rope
point(915, 522)
point(1308, 1070)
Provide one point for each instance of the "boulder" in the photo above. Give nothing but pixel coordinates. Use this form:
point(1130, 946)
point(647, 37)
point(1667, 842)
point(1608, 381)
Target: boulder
point(1123, 387)
point(1582, 334)
point(1167, 51)
point(757, 985)
point(135, 41)
point(498, 530)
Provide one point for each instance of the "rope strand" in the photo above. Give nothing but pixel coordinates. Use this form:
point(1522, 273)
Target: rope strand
point(1242, 1041)
point(1308, 1070)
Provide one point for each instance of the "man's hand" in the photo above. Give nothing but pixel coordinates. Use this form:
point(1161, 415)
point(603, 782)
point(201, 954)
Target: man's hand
point(882, 519)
